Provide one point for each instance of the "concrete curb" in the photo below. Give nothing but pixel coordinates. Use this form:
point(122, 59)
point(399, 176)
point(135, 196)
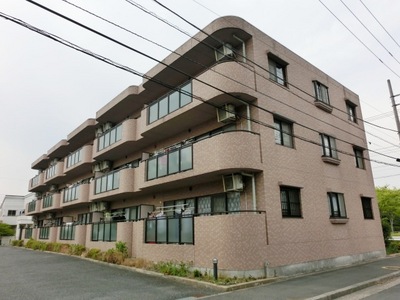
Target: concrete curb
point(355, 287)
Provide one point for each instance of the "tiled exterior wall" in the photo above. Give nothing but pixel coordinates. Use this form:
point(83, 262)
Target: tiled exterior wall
point(246, 243)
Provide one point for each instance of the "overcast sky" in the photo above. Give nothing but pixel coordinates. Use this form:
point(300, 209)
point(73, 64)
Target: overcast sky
point(47, 89)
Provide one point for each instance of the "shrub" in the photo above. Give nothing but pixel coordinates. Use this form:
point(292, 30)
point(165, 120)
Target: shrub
point(113, 256)
point(140, 263)
point(172, 268)
point(386, 231)
point(76, 249)
point(393, 247)
point(94, 254)
point(17, 243)
point(53, 247)
point(122, 248)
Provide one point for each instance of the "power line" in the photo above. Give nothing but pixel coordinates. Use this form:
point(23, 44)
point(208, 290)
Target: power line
point(380, 24)
point(348, 8)
point(104, 59)
point(376, 56)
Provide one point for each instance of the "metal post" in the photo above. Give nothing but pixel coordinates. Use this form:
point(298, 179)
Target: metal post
point(396, 115)
point(215, 264)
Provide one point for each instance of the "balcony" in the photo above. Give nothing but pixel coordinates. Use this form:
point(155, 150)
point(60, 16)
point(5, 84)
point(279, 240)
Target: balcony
point(113, 186)
point(55, 173)
point(75, 196)
point(228, 152)
point(33, 207)
point(36, 184)
point(51, 202)
point(116, 142)
point(78, 162)
point(197, 111)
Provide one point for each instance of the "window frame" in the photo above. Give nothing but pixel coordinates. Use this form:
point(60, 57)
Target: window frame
point(329, 147)
point(275, 63)
point(280, 122)
point(290, 212)
point(368, 211)
point(359, 159)
point(321, 91)
point(351, 109)
point(337, 205)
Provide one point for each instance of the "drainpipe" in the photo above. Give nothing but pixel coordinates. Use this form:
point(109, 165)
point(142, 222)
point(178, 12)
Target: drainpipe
point(253, 189)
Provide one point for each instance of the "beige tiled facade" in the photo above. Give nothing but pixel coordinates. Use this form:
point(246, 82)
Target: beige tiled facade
point(294, 206)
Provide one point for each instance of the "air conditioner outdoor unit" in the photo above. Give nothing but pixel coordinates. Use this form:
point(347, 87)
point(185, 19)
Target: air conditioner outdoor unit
point(38, 195)
point(50, 216)
point(99, 131)
point(226, 113)
point(53, 188)
point(98, 206)
point(107, 126)
point(232, 182)
point(226, 51)
point(67, 219)
point(105, 165)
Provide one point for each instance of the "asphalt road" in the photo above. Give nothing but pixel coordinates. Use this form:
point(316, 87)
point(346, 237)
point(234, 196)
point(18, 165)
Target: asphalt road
point(35, 275)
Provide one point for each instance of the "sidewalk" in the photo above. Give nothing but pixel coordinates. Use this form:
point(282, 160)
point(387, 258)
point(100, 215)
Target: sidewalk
point(322, 285)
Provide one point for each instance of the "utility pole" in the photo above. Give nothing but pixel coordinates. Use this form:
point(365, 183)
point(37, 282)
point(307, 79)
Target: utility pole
point(396, 114)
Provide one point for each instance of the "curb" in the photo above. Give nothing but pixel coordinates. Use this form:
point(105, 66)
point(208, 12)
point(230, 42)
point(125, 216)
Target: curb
point(355, 287)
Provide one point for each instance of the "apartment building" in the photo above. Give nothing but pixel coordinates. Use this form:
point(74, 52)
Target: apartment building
point(233, 148)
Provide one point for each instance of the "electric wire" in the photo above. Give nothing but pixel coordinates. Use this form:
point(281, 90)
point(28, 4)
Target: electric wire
point(230, 78)
point(380, 43)
point(369, 49)
point(262, 67)
point(380, 24)
point(173, 68)
point(104, 59)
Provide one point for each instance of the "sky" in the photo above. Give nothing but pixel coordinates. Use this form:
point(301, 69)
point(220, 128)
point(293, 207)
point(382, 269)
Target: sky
point(47, 89)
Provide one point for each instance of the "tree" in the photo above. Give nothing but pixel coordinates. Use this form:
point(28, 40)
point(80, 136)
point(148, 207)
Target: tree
point(6, 230)
point(389, 203)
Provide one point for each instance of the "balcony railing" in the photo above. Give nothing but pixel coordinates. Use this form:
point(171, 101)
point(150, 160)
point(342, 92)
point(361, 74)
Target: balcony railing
point(170, 230)
point(113, 185)
point(75, 195)
point(106, 232)
point(54, 173)
point(119, 138)
point(36, 184)
point(51, 201)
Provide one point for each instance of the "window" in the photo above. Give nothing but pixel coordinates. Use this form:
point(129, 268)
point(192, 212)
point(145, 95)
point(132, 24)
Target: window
point(32, 206)
point(170, 103)
point(328, 146)
point(28, 233)
point(277, 69)
point(11, 213)
point(337, 207)
point(170, 162)
point(283, 133)
point(351, 111)
point(359, 157)
point(367, 207)
point(290, 202)
point(321, 92)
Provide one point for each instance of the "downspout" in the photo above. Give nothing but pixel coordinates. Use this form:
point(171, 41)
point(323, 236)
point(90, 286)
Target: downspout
point(253, 189)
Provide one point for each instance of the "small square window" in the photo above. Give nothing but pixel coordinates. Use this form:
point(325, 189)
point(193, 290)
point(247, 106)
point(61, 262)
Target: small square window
point(11, 213)
point(283, 133)
point(337, 206)
point(367, 207)
point(290, 202)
